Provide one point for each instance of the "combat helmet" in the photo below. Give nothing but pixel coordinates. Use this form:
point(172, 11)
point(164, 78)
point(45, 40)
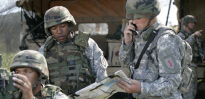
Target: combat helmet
point(32, 59)
point(57, 15)
point(189, 18)
point(142, 8)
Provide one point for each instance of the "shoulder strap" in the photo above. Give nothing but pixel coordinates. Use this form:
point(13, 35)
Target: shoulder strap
point(152, 37)
point(48, 41)
point(154, 33)
point(154, 44)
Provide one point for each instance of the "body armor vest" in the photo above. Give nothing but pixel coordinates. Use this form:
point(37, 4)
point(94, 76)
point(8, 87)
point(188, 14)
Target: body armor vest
point(195, 46)
point(48, 92)
point(68, 66)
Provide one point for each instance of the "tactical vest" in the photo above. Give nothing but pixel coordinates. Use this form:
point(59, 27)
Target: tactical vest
point(67, 63)
point(195, 46)
point(48, 92)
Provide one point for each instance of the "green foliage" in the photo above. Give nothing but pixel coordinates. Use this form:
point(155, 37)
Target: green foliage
point(10, 26)
point(175, 27)
point(7, 59)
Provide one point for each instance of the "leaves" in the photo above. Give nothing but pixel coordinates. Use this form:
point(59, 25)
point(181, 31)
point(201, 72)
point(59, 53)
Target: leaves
point(7, 60)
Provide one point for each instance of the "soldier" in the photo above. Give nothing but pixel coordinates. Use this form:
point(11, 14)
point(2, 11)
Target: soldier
point(74, 59)
point(31, 67)
point(191, 37)
point(159, 73)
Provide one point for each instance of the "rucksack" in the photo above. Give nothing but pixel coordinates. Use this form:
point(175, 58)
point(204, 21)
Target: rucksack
point(186, 73)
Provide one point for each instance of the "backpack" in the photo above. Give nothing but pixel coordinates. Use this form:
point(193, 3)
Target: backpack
point(186, 73)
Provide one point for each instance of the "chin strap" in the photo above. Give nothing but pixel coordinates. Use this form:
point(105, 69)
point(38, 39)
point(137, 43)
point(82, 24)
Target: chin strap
point(192, 30)
point(142, 30)
point(36, 84)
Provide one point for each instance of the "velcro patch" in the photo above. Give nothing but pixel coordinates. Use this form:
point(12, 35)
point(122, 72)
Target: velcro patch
point(168, 61)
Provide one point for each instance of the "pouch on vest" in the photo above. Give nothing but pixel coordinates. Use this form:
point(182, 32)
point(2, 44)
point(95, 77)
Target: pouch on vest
point(187, 73)
point(49, 91)
point(82, 39)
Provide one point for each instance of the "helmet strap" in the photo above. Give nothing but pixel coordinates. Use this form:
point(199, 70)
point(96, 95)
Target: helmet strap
point(192, 30)
point(146, 27)
point(36, 84)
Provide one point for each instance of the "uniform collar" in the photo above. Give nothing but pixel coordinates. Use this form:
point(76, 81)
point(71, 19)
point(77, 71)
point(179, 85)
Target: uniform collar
point(155, 25)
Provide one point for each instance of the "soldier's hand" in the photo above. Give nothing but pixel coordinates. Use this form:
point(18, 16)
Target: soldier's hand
point(24, 85)
point(128, 34)
point(134, 88)
point(198, 33)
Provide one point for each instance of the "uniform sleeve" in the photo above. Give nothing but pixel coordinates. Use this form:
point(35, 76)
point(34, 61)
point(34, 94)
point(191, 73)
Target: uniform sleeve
point(41, 49)
point(191, 39)
point(181, 35)
point(200, 49)
point(169, 68)
point(126, 53)
point(60, 95)
point(98, 62)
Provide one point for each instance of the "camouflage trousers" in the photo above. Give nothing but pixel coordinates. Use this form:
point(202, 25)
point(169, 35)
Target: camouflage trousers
point(193, 88)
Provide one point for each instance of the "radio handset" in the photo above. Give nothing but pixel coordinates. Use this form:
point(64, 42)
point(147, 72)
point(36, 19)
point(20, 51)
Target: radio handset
point(134, 32)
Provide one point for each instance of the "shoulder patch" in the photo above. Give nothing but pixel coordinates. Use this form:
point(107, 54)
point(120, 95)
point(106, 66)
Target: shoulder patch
point(168, 61)
point(103, 60)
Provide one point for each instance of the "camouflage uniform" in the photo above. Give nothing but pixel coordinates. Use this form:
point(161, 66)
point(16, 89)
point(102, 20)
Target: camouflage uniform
point(89, 56)
point(36, 61)
point(163, 83)
point(197, 52)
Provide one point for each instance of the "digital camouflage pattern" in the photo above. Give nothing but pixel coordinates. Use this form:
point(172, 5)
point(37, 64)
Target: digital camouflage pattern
point(73, 67)
point(188, 18)
point(136, 8)
point(191, 93)
point(197, 52)
point(57, 15)
point(32, 59)
point(194, 43)
point(162, 83)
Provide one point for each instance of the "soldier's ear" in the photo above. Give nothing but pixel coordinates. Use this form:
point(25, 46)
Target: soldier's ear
point(49, 31)
point(69, 24)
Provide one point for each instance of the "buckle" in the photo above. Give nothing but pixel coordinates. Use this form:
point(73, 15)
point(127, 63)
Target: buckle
point(149, 56)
